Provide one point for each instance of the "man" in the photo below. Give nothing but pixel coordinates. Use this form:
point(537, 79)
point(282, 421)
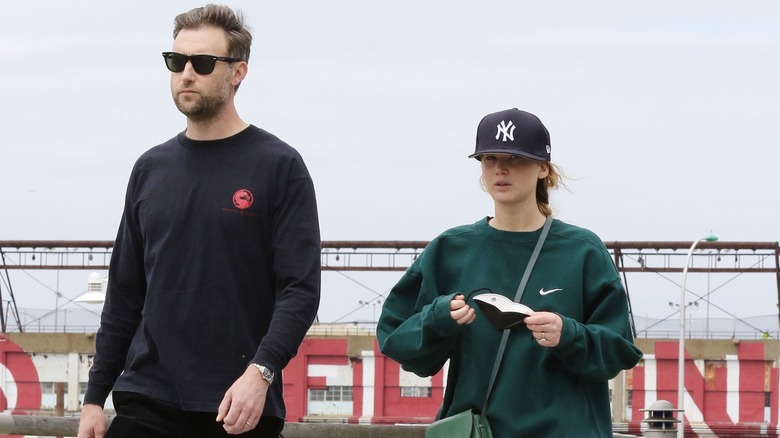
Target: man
point(215, 274)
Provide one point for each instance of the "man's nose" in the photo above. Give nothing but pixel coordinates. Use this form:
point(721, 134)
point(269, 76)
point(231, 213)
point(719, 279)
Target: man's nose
point(189, 71)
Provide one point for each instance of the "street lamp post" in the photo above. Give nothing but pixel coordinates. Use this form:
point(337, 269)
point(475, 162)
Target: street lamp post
point(681, 354)
point(374, 305)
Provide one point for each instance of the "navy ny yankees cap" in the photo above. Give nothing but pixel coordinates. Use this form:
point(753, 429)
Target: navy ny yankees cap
point(512, 132)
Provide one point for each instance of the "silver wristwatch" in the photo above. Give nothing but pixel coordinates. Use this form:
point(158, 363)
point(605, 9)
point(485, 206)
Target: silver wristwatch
point(265, 372)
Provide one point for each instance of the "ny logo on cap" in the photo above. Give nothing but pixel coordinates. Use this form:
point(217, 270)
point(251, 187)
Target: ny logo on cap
point(508, 129)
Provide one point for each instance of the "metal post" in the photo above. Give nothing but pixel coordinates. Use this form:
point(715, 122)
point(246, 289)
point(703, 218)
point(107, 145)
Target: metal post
point(681, 354)
point(59, 408)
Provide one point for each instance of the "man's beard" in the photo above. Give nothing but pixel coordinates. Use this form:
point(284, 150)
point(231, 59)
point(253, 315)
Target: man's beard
point(206, 107)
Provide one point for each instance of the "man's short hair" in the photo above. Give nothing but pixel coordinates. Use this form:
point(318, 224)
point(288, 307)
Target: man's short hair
point(239, 38)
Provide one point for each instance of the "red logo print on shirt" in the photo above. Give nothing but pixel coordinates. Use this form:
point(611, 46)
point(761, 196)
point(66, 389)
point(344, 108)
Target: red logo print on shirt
point(243, 199)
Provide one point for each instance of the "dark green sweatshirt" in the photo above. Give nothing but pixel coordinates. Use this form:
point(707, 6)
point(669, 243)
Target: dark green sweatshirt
point(539, 392)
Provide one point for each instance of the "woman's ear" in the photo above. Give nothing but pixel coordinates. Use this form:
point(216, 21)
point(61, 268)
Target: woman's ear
point(544, 170)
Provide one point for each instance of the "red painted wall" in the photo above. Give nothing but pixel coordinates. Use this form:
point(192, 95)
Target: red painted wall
point(405, 409)
point(389, 406)
point(312, 351)
point(709, 387)
point(22, 371)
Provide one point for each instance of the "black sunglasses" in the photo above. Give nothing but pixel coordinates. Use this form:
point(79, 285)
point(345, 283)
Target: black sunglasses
point(202, 64)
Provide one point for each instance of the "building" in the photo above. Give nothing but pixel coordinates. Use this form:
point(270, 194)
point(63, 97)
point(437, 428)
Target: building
point(732, 382)
point(732, 387)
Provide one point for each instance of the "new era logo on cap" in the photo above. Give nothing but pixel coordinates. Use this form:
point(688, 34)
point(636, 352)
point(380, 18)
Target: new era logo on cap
point(513, 132)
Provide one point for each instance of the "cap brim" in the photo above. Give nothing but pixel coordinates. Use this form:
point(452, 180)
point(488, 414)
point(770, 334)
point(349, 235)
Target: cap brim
point(505, 152)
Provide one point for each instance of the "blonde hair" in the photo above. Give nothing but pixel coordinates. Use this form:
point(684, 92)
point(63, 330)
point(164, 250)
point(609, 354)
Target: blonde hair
point(553, 180)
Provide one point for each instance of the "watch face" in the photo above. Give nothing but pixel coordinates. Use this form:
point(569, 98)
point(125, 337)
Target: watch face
point(267, 374)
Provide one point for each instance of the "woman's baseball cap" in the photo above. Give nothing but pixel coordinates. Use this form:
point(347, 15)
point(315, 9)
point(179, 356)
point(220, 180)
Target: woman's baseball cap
point(512, 132)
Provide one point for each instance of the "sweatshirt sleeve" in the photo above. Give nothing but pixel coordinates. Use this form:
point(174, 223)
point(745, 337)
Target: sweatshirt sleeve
point(601, 345)
point(415, 328)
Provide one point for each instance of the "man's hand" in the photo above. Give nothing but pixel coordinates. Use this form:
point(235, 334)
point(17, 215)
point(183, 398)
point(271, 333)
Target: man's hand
point(243, 403)
point(93, 423)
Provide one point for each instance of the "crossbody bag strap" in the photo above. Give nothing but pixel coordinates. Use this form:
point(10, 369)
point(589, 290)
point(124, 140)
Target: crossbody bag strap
point(520, 290)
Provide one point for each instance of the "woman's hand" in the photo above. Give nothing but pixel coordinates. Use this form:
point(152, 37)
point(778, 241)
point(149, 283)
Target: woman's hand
point(545, 327)
point(461, 312)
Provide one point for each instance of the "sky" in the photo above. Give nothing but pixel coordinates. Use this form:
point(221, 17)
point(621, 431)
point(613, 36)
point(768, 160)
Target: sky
point(662, 114)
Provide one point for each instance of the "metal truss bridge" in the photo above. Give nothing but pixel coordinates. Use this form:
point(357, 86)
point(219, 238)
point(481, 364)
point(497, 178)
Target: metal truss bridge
point(629, 257)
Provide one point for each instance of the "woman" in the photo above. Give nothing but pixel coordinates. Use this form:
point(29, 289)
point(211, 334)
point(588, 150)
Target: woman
point(554, 375)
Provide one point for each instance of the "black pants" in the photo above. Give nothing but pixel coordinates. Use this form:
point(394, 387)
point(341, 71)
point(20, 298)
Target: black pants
point(139, 416)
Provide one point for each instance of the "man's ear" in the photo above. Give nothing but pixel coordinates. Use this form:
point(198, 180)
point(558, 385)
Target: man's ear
point(240, 71)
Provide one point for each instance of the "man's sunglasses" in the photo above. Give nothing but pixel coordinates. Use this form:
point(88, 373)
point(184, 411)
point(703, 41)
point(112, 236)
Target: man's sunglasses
point(202, 64)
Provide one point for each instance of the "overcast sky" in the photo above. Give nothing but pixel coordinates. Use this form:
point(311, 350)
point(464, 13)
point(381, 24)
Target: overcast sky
point(664, 114)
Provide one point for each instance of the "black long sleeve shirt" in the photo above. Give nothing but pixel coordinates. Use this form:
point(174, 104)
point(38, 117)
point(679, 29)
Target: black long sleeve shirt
point(216, 264)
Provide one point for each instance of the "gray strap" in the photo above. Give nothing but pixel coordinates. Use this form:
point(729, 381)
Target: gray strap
point(520, 290)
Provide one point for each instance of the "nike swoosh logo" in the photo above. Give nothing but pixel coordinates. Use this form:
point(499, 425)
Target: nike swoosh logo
point(545, 292)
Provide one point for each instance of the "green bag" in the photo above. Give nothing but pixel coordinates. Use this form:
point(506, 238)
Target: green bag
point(467, 424)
